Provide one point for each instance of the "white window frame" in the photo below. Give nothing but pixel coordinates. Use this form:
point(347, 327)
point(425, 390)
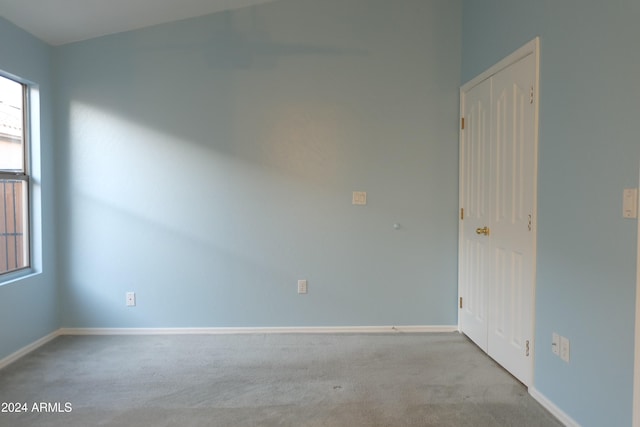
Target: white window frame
point(32, 176)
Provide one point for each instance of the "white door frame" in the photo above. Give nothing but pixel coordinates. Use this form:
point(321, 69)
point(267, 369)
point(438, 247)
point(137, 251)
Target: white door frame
point(636, 375)
point(532, 47)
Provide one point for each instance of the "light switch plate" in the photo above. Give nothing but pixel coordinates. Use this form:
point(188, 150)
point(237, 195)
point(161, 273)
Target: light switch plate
point(302, 286)
point(630, 203)
point(555, 344)
point(564, 349)
point(359, 198)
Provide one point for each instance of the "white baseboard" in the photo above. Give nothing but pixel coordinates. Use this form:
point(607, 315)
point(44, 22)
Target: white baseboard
point(27, 349)
point(222, 331)
point(551, 407)
point(265, 330)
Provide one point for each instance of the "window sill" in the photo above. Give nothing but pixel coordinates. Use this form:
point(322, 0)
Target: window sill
point(18, 275)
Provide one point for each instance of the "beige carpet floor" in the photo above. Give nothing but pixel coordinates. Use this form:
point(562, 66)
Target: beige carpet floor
point(265, 380)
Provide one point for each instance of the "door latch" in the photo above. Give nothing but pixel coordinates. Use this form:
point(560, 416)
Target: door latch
point(483, 230)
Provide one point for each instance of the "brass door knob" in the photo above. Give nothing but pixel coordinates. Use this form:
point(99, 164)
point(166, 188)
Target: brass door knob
point(483, 230)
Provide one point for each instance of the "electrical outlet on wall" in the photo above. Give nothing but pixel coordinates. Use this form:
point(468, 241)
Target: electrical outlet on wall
point(564, 349)
point(130, 299)
point(630, 203)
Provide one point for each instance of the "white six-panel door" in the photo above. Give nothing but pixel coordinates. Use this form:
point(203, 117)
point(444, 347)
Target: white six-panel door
point(498, 173)
point(475, 253)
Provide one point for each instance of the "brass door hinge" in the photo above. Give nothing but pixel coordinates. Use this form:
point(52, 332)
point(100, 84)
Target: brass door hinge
point(461, 213)
point(460, 302)
point(531, 96)
point(462, 123)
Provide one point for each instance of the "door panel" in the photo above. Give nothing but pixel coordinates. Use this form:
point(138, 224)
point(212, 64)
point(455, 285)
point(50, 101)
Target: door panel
point(513, 171)
point(475, 251)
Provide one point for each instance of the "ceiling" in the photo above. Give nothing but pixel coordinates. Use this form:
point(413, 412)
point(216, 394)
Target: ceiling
point(59, 22)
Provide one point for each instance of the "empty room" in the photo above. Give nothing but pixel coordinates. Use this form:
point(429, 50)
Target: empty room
point(319, 213)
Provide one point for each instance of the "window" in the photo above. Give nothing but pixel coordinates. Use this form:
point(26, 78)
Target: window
point(14, 177)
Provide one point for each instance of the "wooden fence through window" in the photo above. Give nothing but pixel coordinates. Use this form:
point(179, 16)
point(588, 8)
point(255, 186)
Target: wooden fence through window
point(12, 225)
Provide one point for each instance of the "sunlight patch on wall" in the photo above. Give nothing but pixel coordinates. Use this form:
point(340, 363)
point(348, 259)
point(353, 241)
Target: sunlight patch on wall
point(138, 170)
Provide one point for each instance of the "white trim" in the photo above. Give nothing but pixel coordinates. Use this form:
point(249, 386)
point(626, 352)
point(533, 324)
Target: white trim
point(636, 373)
point(34, 172)
point(27, 349)
point(532, 47)
point(460, 203)
point(265, 330)
point(225, 331)
point(535, 46)
point(551, 407)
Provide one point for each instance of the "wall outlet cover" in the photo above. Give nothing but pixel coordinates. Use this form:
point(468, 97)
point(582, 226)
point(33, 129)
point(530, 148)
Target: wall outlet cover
point(630, 203)
point(302, 286)
point(130, 299)
point(564, 349)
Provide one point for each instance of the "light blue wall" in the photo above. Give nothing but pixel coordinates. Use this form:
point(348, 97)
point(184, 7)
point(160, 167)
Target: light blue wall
point(210, 164)
point(589, 152)
point(28, 307)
